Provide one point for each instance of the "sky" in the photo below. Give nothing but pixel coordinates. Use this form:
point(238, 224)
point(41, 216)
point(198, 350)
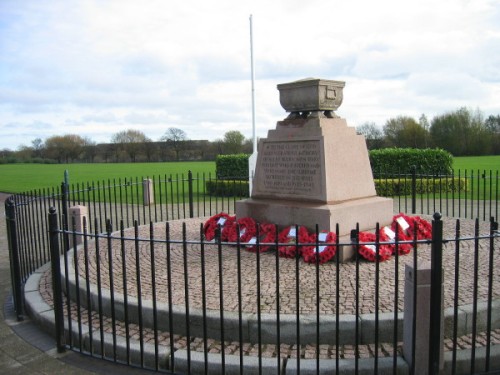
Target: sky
point(98, 67)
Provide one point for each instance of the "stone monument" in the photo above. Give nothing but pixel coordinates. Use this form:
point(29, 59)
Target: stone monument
point(313, 168)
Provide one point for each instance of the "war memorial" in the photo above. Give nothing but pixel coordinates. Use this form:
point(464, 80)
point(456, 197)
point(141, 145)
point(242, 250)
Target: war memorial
point(166, 297)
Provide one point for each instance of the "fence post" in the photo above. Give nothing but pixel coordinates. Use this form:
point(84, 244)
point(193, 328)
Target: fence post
point(413, 189)
point(190, 192)
point(436, 308)
point(148, 195)
point(65, 204)
point(416, 321)
point(56, 279)
point(79, 215)
point(15, 266)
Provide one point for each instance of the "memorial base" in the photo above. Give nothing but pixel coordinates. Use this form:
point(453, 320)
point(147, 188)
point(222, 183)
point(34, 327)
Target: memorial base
point(366, 212)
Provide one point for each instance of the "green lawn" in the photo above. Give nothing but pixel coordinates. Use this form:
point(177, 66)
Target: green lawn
point(17, 178)
point(26, 177)
point(477, 163)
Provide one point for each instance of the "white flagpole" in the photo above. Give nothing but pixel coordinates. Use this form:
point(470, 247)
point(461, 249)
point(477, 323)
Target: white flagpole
point(252, 160)
point(253, 88)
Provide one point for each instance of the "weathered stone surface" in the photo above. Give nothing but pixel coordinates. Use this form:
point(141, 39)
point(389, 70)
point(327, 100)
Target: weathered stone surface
point(314, 169)
point(311, 94)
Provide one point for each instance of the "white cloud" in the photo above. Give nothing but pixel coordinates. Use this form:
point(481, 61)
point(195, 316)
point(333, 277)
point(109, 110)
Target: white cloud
point(97, 67)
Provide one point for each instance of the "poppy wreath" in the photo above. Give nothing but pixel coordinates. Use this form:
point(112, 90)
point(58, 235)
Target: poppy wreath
point(325, 252)
point(401, 225)
point(267, 235)
point(386, 234)
point(424, 228)
point(369, 252)
point(247, 230)
point(285, 237)
point(211, 225)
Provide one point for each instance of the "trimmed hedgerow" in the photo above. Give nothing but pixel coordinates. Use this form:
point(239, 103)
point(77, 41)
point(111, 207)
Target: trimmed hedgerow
point(232, 166)
point(403, 160)
point(395, 187)
point(228, 188)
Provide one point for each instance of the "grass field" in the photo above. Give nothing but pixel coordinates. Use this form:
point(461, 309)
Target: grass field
point(26, 177)
point(477, 163)
point(17, 178)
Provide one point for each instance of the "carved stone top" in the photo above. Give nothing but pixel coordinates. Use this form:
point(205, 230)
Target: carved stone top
point(311, 95)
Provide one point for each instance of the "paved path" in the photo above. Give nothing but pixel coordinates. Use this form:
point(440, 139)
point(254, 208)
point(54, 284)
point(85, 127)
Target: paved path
point(24, 349)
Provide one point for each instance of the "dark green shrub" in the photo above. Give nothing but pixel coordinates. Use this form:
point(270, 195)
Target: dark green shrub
point(232, 166)
point(227, 188)
point(403, 160)
point(395, 187)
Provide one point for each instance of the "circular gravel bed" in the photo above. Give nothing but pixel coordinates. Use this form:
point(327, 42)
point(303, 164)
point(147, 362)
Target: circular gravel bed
point(192, 265)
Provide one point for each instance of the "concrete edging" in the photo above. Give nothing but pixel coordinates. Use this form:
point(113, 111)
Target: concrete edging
point(43, 315)
point(288, 325)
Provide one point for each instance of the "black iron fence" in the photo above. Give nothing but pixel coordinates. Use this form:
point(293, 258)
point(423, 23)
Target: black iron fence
point(139, 284)
point(463, 194)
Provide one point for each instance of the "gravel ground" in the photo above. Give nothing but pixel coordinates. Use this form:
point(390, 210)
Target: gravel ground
point(140, 252)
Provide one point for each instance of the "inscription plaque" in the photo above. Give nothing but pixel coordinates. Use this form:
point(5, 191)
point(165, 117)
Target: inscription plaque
point(291, 168)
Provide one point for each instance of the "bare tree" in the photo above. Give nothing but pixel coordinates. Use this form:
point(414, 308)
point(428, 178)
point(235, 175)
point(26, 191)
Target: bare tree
point(131, 141)
point(373, 135)
point(37, 145)
point(174, 138)
point(64, 148)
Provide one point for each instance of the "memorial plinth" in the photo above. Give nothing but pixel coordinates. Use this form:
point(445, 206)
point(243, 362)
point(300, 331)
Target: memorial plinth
point(313, 168)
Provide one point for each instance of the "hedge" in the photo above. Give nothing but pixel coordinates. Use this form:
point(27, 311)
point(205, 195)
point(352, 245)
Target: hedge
point(227, 188)
point(232, 166)
point(395, 187)
point(403, 160)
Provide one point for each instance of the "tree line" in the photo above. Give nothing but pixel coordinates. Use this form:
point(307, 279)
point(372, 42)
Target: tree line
point(127, 146)
point(462, 133)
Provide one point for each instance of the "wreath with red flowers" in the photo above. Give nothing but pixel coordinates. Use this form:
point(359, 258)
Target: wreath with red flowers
point(324, 252)
point(369, 250)
point(247, 230)
point(289, 236)
point(386, 234)
point(211, 225)
point(401, 225)
point(267, 236)
point(424, 228)
point(289, 244)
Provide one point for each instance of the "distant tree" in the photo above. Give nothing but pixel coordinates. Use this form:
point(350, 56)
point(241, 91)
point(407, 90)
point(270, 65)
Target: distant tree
point(248, 146)
point(424, 123)
point(492, 124)
point(37, 145)
point(89, 149)
point(404, 131)
point(5, 155)
point(174, 138)
point(373, 135)
point(461, 132)
point(233, 142)
point(24, 152)
point(64, 148)
point(131, 142)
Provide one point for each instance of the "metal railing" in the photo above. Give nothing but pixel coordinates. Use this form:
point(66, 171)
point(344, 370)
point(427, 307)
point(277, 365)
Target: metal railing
point(123, 205)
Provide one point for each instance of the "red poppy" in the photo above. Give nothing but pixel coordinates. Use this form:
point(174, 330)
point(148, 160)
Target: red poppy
point(267, 236)
point(247, 230)
point(211, 225)
point(368, 250)
point(324, 252)
point(289, 236)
